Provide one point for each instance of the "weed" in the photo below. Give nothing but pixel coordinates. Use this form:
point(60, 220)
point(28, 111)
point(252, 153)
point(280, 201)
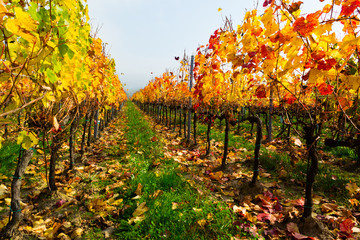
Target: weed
point(8, 155)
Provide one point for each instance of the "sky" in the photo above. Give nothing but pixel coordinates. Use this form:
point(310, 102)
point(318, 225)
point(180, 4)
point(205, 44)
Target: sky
point(144, 36)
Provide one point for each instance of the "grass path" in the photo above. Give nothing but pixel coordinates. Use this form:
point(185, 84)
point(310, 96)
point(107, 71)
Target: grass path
point(174, 209)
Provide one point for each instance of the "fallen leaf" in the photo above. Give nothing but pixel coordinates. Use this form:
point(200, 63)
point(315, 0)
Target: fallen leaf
point(263, 217)
point(202, 222)
point(328, 207)
point(117, 202)
point(157, 193)
point(138, 189)
point(352, 188)
point(138, 214)
point(63, 236)
point(293, 229)
point(197, 209)
point(217, 175)
point(346, 227)
point(4, 192)
point(297, 142)
point(77, 233)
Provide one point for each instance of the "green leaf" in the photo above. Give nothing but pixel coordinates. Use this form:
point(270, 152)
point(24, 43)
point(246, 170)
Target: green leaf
point(78, 76)
point(70, 53)
point(33, 11)
point(51, 75)
point(63, 48)
point(56, 64)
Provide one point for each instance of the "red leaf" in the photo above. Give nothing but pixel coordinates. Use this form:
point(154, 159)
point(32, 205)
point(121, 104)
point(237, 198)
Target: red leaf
point(306, 26)
point(260, 91)
point(306, 76)
point(267, 2)
point(325, 89)
point(279, 37)
point(196, 106)
point(318, 55)
point(289, 98)
point(266, 52)
point(346, 226)
point(327, 64)
point(299, 202)
point(252, 54)
point(348, 7)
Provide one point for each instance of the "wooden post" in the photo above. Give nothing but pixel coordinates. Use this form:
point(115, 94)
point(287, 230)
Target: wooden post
point(190, 103)
point(96, 124)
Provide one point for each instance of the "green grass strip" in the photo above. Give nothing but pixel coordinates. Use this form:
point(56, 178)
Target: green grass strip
point(179, 211)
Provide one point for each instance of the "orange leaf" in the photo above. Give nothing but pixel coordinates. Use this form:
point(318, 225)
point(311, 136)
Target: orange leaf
point(345, 103)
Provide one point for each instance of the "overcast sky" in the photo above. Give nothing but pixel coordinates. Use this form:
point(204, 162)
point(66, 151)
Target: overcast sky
point(144, 36)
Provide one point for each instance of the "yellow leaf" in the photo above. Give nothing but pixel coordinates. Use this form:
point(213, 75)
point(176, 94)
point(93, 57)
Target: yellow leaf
point(315, 76)
point(352, 82)
point(96, 205)
point(139, 212)
point(3, 10)
point(77, 233)
point(4, 222)
point(1, 140)
point(219, 9)
point(22, 25)
point(63, 236)
point(174, 205)
point(39, 151)
point(141, 209)
point(117, 202)
point(39, 226)
point(27, 139)
point(202, 222)
point(49, 233)
point(352, 188)
point(136, 219)
point(68, 3)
